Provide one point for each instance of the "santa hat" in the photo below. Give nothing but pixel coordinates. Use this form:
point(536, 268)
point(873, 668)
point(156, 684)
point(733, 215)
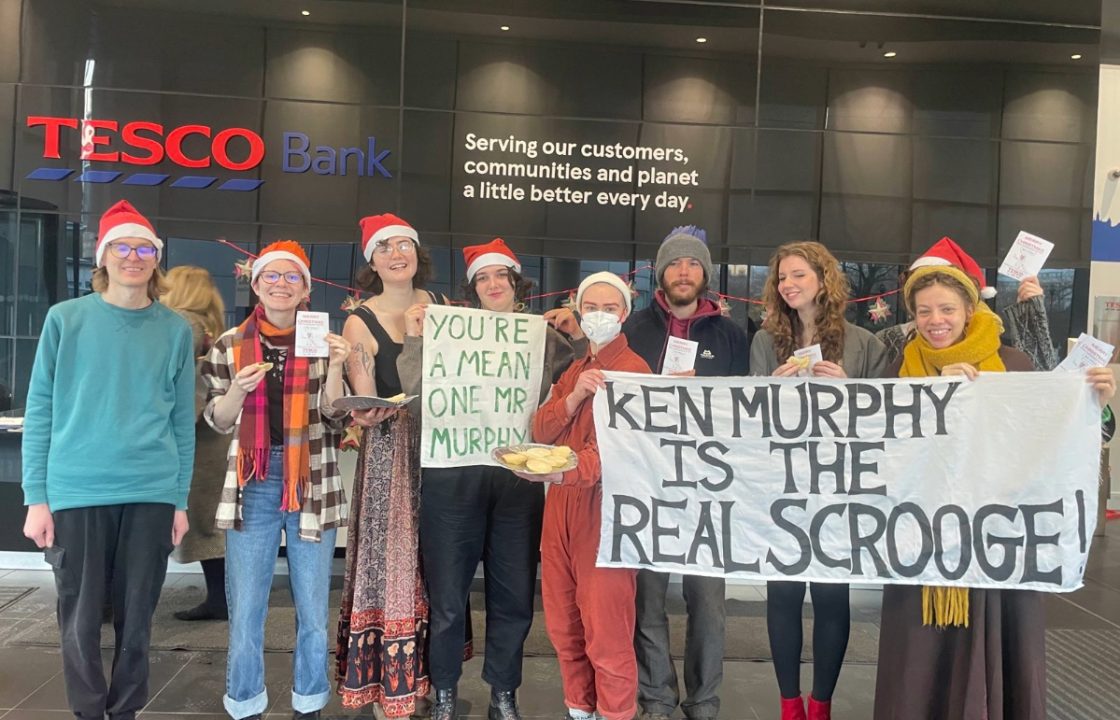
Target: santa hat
point(947, 252)
point(283, 250)
point(495, 252)
point(376, 228)
point(608, 278)
point(124, 221)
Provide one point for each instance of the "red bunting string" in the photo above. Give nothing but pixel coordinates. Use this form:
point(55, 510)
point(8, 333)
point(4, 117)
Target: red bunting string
point(569, 291)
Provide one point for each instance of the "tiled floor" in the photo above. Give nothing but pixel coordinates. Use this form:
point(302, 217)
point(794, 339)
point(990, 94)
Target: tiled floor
point(189, 685)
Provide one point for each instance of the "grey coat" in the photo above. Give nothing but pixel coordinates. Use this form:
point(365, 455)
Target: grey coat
point(864, 355)
point(203, 541)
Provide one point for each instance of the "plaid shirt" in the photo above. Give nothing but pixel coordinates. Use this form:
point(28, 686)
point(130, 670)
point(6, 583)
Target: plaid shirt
point(324, 507)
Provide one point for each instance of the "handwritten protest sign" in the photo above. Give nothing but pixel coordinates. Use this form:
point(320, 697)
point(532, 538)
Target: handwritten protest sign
point(989, 483)
point(481, 376)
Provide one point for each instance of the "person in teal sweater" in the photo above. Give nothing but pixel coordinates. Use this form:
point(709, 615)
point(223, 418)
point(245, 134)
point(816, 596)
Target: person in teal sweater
point(108, 452)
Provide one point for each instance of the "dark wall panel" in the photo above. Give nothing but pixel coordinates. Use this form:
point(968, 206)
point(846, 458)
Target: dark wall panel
point(336, 66)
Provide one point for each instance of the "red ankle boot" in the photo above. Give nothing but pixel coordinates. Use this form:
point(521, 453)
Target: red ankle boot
point(819, 710)
point(793, 708)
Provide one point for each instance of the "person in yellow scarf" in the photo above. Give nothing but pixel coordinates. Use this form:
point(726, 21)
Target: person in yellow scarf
point(960, 653)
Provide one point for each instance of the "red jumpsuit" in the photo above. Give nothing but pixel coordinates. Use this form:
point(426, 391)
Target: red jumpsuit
point(589, 611)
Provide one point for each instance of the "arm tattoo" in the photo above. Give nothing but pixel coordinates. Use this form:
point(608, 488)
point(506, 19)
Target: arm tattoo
point(364, 359)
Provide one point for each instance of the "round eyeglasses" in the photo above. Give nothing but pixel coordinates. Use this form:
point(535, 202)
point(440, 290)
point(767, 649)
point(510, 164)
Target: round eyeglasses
point(271, 277)
point(404, 247)
point(144, 252)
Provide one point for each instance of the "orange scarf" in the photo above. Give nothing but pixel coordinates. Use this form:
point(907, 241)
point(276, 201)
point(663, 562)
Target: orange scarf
point(254, 436)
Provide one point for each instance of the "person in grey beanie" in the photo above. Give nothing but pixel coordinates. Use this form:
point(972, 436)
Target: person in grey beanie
point(681, 309)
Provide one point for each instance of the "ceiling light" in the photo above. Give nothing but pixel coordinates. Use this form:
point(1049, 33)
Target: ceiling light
point(504, 28)
point(889, 54)
point(701, 39)
point(1075, 56)
point(305, 13)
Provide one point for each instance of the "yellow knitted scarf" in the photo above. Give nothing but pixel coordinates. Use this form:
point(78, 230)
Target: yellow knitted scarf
point(945, 606)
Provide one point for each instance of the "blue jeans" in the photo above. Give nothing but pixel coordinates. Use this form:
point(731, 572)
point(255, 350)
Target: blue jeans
point(250, 560)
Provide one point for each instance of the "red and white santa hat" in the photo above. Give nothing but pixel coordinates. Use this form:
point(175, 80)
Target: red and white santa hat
point(495, 252)
point(947, 252)
point(124, 221)
point(283, 250)
point(376, 228)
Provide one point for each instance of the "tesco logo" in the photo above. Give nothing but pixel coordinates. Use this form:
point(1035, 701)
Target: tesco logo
point(140, 143)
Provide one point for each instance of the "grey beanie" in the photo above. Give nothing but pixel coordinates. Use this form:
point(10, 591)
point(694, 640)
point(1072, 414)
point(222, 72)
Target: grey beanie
point(685, 241)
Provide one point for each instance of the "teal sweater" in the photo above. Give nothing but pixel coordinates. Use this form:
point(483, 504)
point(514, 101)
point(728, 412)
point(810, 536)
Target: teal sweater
point(110, 408)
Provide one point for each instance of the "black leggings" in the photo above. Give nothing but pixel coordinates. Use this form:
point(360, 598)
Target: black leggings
point(214, 571)
point(832, 620)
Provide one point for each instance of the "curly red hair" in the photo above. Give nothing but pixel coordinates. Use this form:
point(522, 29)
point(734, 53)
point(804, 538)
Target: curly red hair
point(784, 324)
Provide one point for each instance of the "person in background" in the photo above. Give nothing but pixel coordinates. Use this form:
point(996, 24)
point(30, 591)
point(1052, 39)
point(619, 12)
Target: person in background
point(588, 611)
point(382, 641)
point(952, 653)
point(1026, 324)
point(193, 295)
point(282, 477)
point(480, 514)
point(108, 448)
point(806, 294)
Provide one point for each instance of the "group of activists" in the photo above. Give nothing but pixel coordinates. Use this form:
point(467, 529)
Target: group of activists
point(149, 426)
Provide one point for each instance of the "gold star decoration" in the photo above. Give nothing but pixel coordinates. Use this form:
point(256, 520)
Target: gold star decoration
point(243, 271)
point(879, 311)
point(351, 303)
point(352, 440)
point(724, 307)
point(570, 303)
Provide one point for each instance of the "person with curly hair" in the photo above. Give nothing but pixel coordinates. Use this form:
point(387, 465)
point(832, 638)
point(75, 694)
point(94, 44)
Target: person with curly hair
point(480, 513)
point(806, 294)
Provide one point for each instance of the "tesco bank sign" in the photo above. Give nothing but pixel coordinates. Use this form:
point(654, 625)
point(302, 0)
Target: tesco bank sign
point(139, 144)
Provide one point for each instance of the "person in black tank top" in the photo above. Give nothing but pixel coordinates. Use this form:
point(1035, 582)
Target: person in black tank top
point(381, 650)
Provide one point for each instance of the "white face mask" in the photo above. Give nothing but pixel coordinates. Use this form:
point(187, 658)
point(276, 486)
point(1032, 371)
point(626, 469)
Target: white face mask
point(600, 327)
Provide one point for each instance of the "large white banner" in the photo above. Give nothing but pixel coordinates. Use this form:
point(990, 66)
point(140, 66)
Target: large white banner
point(481, 378)
point(939, 481)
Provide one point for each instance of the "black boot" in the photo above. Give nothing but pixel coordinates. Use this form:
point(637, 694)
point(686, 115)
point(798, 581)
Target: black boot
point(503, 705)
point(203, 611)
point(313, 715)
point(444, 706)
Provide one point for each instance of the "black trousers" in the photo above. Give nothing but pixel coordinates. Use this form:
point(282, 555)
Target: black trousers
point(115, 554)
point(468, 515)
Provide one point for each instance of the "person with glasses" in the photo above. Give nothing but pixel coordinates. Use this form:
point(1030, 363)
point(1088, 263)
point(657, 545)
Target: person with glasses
point(383, 620)
point(108, 450)
point(481, 514)
point(282, 476)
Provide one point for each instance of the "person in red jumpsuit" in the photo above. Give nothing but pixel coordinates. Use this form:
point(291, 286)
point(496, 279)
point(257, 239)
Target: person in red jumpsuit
point(589, 612)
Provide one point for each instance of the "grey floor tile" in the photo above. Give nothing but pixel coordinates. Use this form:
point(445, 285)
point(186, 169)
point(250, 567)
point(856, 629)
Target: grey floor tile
point(163, 666)
point(24, 670)
point(20, 714)
point(196, 687)
point(182, 716)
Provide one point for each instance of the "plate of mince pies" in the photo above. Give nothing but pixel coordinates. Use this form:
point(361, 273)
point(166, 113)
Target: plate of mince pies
point(535, 459)
point(367, 402)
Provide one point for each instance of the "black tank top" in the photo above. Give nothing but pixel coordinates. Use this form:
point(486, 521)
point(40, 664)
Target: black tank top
point(385, 365)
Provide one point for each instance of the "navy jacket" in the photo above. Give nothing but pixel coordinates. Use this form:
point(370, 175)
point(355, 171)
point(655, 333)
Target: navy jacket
point(724, 347)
